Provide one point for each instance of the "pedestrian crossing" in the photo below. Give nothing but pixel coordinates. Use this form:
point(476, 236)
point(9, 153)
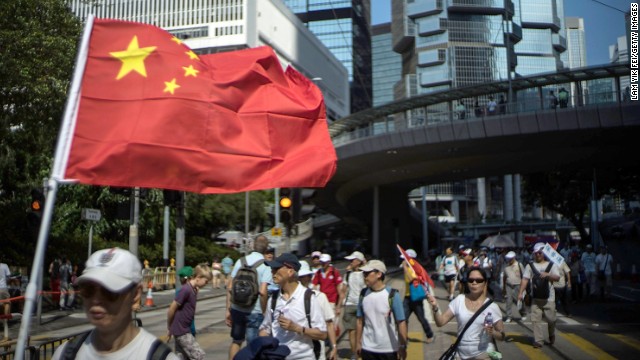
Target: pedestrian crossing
point(518, 346)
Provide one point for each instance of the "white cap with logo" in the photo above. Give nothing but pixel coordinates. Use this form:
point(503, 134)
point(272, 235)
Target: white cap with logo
point(115, 269)
point(325, 258)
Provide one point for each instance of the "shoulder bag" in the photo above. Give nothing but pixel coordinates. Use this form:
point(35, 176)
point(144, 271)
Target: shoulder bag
point(450, 354)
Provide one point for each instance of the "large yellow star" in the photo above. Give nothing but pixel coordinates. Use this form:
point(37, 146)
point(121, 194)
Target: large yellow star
point(171, 86)
point(133, 58)
point(190, 71)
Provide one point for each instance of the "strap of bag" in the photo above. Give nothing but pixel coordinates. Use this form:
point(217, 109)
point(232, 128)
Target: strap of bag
point(605, 263)
point(158, 351)
point(74, 345)
point(473, 318)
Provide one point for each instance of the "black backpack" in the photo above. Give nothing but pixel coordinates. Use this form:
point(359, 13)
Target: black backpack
point(307, 310)
point(540, 286)
point(157, 351)
point(392, 293)
point(245, 287)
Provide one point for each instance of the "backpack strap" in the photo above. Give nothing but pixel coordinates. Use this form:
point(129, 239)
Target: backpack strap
point(256, 264)
point(274, 297)
point(158, 350)
point(243, 261)
point(74, 345)
point(307, 305)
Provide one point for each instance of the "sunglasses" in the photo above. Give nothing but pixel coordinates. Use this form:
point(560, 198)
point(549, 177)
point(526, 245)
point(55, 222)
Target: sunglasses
point(366, 273)
point(475, 281)
point(88, 291)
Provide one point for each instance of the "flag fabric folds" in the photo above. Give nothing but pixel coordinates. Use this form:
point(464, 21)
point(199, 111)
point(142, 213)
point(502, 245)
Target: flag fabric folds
point(421, 272)
point(154, 114)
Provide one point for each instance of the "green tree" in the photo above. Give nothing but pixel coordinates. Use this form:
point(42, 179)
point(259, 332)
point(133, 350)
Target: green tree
point(37, 51)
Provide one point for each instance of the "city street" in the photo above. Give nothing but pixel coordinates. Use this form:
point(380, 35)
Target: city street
point(608, 330)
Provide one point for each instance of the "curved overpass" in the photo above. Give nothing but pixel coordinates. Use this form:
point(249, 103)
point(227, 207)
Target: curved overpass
point(401, 154)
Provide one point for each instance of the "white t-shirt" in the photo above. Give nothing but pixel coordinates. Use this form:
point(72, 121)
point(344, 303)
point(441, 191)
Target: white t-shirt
point(475, 340)
point(603, 262)
point(293, 309)
point(541, 267)
point(327, 313)
point(355, 285)
point(379, 333)
point(564, 271)
point(138, 348)
point(5, 273)
point(450, 265)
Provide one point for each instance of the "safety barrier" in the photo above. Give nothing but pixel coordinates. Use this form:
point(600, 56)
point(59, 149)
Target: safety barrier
point(161, 278)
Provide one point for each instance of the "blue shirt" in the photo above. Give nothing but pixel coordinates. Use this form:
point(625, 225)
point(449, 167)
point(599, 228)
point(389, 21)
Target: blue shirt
point(227, 263)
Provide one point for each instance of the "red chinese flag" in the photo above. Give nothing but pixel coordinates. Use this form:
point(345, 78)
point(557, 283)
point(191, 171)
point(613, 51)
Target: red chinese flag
point(154, 114)
point(420, 271)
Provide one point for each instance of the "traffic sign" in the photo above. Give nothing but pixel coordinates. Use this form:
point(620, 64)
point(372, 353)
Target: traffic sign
point(91, 214)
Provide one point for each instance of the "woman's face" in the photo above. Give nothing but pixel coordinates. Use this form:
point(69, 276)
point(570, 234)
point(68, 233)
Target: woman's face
point(477, 283)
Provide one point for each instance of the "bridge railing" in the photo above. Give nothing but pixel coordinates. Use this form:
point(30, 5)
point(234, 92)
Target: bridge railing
point(475, 109)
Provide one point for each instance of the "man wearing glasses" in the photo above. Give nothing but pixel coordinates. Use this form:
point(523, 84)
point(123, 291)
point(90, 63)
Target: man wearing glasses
point(380, 311)
point(110, 289)
point(286, 320)
point(547, 273)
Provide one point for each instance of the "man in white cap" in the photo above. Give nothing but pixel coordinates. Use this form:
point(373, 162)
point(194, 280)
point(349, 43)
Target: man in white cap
point(381, 331)
point(541, 273)
point(350, 295)
point(327, 280)
point(511, 279)
point(304, 275)
point(110, 288)
point(315, 261)
point(410, 306)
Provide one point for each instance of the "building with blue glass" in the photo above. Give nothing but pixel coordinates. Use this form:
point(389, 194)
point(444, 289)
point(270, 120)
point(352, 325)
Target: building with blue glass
point(387, 65)
point(344, 27)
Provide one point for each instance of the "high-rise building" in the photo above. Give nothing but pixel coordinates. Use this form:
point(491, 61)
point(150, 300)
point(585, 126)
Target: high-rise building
point(619, 53)
point(576, 54)
point(344, 27)
point(224, 25)
point(455, 43)
point(387, 65)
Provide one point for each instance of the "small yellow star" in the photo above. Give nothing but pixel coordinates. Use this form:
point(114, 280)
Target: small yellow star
point(176, 40)
point(192, 55)
point(190, 71)
point(132, 58)
point(171, 86)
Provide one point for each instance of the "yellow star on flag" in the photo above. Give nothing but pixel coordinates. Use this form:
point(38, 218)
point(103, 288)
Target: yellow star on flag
point(171, 86)
point(192, 55)
point(176, 40)
point(190, 71)
point(133, 58)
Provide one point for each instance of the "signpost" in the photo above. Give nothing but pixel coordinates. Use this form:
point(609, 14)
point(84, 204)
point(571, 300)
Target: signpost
point(94, 216)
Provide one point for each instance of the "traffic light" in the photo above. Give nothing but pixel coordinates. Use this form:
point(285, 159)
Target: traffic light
point(285, 206)
point(302, 204)
point(34, 215)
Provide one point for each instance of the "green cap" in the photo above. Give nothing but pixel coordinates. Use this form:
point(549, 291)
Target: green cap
point(186, 271)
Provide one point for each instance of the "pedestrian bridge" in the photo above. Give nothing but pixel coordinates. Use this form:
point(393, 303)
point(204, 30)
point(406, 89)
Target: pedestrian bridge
point(422, 140)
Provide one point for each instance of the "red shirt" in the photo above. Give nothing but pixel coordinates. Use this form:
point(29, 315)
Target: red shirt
point(328, 282)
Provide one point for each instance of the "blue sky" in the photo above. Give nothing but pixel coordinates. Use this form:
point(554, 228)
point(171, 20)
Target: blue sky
point(603, 25)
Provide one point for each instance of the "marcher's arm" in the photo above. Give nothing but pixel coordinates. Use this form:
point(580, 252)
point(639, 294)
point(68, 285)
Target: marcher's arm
point(402, 339)
point(264, 296)
point(359, 325)
point(523, 286)
point(171, 313)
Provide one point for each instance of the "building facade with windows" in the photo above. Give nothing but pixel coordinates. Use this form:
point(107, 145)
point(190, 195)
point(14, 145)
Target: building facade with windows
point(387, 65)
point(344, 27)
point(214, 26)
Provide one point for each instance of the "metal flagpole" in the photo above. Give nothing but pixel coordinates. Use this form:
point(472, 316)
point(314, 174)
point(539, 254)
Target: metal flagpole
point(59, 165)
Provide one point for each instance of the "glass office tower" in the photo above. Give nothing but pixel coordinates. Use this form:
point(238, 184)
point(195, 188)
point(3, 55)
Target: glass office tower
point(455, 43)
point(576, 54)
point(387, 65)
point(343, 26)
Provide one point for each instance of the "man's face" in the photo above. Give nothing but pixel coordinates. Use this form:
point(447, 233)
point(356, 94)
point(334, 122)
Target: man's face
point(315, 261)
point(355, 263)
point(106, 310)
point(538, 256)
point(268, 257)
point(371, 277)
point(325, 265)
point(282, 274)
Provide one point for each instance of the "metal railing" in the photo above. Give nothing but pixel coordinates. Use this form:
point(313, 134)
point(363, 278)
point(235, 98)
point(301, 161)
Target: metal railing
point(434, 115)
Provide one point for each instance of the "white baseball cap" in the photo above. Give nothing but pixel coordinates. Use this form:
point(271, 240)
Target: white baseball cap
point(356, 255)
point(305, 269)
point(538, 246)
point(510, 255)
point(325, 258)
point(115, 269)
point(375, 265)
point(412, 253)
point(316, 254)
